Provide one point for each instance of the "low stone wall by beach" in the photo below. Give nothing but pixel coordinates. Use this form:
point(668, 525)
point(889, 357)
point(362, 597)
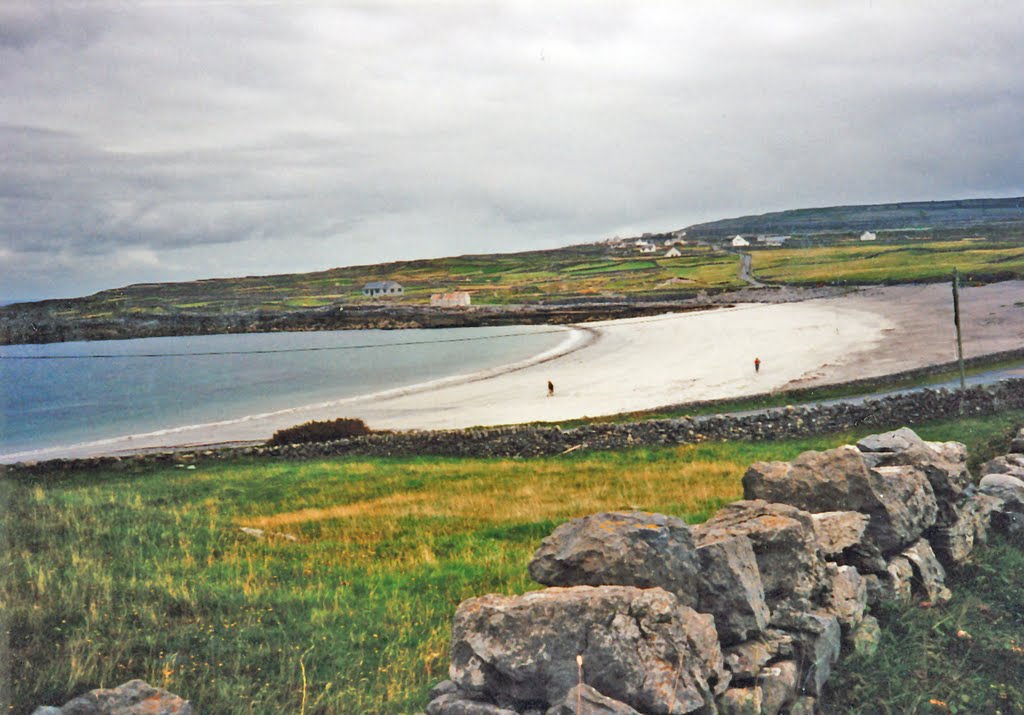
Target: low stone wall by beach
point(745, 614)
point(541, 440)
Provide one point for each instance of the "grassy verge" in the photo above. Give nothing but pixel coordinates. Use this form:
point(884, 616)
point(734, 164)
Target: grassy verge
point(118, 575)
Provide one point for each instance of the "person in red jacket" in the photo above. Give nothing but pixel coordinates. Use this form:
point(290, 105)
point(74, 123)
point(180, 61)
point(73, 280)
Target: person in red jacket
point(757, 364)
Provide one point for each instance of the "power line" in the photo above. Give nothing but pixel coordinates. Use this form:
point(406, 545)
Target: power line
point(269, 351)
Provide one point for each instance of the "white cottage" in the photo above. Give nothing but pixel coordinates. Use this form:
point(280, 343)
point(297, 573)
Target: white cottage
point(868, 236)
point(375, 288)
point(738, 241)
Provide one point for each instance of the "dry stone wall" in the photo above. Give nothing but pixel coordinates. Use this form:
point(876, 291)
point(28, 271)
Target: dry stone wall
point(536, 441)
point(747, 613)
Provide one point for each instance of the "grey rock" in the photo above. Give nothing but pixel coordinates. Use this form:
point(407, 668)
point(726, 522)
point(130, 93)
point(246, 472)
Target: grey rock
point(1008, 520)
point(730, 588)
point(943, 463)
point(848, 596)
point(445, 687)
point(586, 700)
point(741, 701)
point(1010, 464)
point(954, 544)
point(136, 697)
point(46, 710)
point(928, 571)
point(785, 546)
point(1002, 485)
point(864, 639)
point(894, 585)
point(745, 660)
point(898, 499)
point(817, 639)
point(839, 530)
point(454, 704)
point(638, 646)
point(620, 549)
point(866, 558)
point(778, 683)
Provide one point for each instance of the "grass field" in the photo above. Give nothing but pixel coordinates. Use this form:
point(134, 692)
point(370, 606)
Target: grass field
point(572, 272)
point(116, 575)
point(907, 262)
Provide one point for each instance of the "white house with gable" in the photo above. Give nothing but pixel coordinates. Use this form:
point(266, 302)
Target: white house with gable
point(375, 288)
point(868, 236)
point(738, 241)
point(673, 253)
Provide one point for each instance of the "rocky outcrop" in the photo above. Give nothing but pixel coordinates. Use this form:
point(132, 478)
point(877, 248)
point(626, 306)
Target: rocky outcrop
point(136, 697)
point(778, 584)
point(730, 588)
point(621, 549)
point(784, 542)
point(898, 499)
point(640, 647)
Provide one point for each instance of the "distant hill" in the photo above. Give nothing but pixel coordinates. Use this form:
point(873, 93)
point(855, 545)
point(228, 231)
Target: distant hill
point(933, 215)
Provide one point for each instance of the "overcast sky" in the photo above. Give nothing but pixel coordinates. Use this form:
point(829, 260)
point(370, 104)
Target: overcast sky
point(157, 141)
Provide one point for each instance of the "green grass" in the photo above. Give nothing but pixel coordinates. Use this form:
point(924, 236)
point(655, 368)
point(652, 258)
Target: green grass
point(976, 258)
point(564, 273)
point(116, 575)
point(967, 657)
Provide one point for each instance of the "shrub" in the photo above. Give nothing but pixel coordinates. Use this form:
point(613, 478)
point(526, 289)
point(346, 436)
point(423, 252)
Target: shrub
point(321, 431)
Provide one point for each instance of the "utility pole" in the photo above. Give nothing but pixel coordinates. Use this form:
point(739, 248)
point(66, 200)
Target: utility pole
point(956, 321)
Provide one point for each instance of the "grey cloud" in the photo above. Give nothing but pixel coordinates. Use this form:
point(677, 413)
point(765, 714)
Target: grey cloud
point(308, 136)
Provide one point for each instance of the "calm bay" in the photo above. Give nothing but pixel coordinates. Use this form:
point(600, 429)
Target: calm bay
point(67, 393)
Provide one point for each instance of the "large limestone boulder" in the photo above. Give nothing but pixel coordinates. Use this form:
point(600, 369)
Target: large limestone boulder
point(898, 499)
point(640, 647)
point(943, 463)
point(730, 588)
point(620, 549)
point(785, 546)
point(136, 697)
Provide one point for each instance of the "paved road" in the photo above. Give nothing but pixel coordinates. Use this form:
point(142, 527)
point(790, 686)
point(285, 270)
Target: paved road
point(745, 272)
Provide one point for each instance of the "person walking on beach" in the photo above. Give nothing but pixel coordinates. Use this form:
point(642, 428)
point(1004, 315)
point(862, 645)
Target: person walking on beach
point(551, 389)
point(757, 364)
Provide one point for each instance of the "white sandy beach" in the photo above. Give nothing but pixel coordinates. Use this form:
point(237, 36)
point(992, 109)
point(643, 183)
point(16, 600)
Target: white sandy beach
point(627, 365)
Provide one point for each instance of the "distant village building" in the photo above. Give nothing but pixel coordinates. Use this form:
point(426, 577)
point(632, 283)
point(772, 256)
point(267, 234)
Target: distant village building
point(374, 288)
point(647, 248)
point(868, 236)
point(738, 241)
point(673, 253)
point(455, 299)
point(773, 240)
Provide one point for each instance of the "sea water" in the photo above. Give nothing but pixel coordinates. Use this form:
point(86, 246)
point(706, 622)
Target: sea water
point(67, 393)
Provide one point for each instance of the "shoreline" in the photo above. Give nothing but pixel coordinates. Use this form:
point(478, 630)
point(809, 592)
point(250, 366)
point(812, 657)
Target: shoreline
point(576, 339)
point(639, 364)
